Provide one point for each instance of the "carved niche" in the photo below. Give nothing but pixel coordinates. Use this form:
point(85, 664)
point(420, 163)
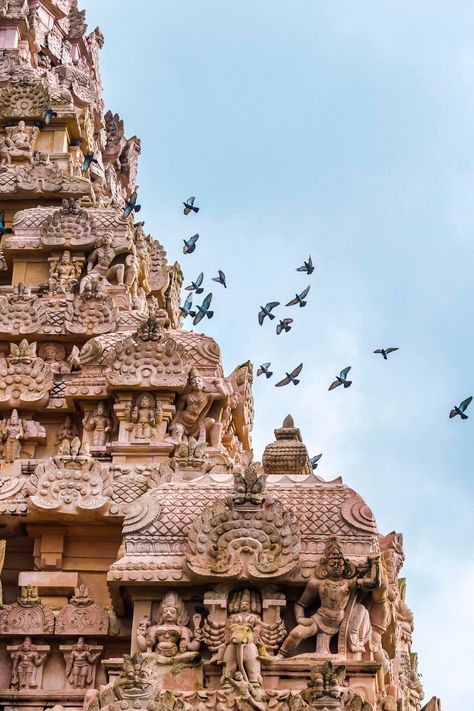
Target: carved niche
point(69, 227)
point(70, 482)
point(82, 615)
point(249, 534)
point(27, 615)
point(25, 379)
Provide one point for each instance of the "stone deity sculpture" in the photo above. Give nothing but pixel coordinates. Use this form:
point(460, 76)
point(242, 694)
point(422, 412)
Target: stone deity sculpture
point(26, 661)
point(67, 430)
point(13, 434)
point(53, 354)
point(170, 638)
point(332, 583)
point(80, 665)
point(64, 274)
point(99, 263)
point(20, 141)
point(99, 424)
point(146, 415)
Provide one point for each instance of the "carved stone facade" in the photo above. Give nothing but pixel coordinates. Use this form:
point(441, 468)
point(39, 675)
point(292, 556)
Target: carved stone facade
point(146, 561)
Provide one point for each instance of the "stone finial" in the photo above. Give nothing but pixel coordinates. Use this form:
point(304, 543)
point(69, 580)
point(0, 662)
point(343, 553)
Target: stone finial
point(288, 454)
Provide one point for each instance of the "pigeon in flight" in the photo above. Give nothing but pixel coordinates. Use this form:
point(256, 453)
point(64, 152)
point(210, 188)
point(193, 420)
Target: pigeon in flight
point(263, 370)
point(291, 377)
point(203, 310)
point(190, 244)
point(299, 298)
point(4, 230)
point(220, 279)
point(267, 311)
point(186, 308)
point(131, 204)
point(284, 325)
point(48, 114)
point(189, 206)
point(341, 379)
point(315, 460)
point(385, 351)
point(461, 409)
point(88, 159)
point(307, 266)
point(196, 285)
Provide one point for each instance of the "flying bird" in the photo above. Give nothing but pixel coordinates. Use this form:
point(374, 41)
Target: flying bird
point(189, 206)
point(307, 266)
point(299, 298)
point(190, 244)
point(220, 279)
point(291, 377)
point(315, 460)
point(203, 310)
point(263, 370)
point(385, 351)
point(131, 204)
point(284, 325)
point(461, 409)
point(186, 308)
point(4, 230)
point(341, 379)
point(267, 311)
point(88, 159)
point(48, 114)
point(196, 285)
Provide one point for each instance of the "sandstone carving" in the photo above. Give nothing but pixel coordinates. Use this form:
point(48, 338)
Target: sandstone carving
point(81, 661)
point(82, 615)
point(27, 662)
point(27, 615)
point(25, 379)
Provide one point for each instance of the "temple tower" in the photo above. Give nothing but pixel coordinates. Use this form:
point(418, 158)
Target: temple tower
point(147, 561)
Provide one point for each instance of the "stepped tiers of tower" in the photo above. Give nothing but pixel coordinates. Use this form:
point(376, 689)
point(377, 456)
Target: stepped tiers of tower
point(147, 561)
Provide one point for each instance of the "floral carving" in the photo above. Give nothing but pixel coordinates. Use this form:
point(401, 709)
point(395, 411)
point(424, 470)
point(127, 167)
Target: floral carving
point(27, 615)
point(25, 98)
point(70, 226)
point(25, 379)
point(248, 535)
point(82, 615)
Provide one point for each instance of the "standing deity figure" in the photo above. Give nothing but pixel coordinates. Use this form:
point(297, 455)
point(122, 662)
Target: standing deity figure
point(99, 263)
point(20, 141)
point(12, 434)
point(170, 638)
point(332, 583)
point(99, 423)
point(26, 661)
point(146, 416)
point(80, 665)
point(192, 408)
point(53, 354)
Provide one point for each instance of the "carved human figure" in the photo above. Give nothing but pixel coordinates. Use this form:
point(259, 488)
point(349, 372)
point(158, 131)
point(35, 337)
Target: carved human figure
point(53, 355)
point(139, 302)
point(67, 430)
point(5, 148)
point(99, 423)
point(13, 434)
point(80, 665)
point(247, 695)
point(146, 416)
point(64, 274)
point(192, 407)
point(20, 141)
point(132, 267)
point(26, 661)
point(331, 584)
point(101, 258)
point(170, 638)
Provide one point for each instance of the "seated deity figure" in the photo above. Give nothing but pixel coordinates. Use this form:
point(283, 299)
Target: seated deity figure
point(80, 665)
point(64, 274)
point(146, 416)
point(100, 262)
point(171, 640)
point(53, 354)
point(26, 660)
point(67, 430)
point(20, 141)
point(99, 424)
point(332, 583)
point(192, 407)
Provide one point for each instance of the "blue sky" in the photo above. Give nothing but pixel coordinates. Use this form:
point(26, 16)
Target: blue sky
point(342, 129)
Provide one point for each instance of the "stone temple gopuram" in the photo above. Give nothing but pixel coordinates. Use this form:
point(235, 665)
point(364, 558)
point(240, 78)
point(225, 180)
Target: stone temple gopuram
point(147, 562)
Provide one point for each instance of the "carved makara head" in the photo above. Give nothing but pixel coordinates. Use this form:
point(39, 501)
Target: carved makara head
point(137, 679)
point(172, 611)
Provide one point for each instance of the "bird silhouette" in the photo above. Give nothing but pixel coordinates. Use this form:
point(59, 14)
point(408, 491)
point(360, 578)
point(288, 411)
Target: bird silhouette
point(290, 377)
point(341, 379)
point(131, 204)
point(385, 351)
point(186, 308)
point(284, 325)
point(88, 159)
point(48, 114)
point(267, 311)
point(220, 279)
point(189, 206)
point(307, 266)
point(314, 461)
point(196, 285)
point(461, 409)
point(4, 230)
point(203, 310)
point(299, 298)
point(190, 244)
point(263, 370)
